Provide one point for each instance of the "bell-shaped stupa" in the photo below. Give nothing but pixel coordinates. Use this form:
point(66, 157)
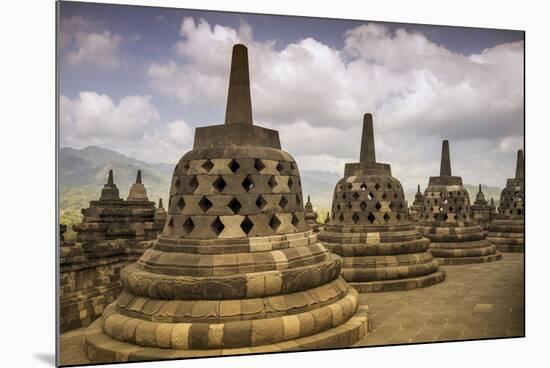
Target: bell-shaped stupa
point(311, 215)
point(481, 210)
point(237, 268)
point(447, 221)
point(416, 208)
point(507, 229)
point(371, 230)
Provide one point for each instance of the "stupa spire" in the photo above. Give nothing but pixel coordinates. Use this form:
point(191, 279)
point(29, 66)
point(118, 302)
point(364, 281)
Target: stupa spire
point(480, 188)
point(160, 203)
point(110, 180)
point(367, 140)
point(138, 177)
point(418, 188)
point(520, 166)
point(445, 169)
point(239, 105)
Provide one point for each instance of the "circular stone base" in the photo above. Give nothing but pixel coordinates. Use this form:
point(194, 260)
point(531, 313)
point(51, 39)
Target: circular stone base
point(509, 248)
point(400, 284)
point(468, 260)
point(100, 348)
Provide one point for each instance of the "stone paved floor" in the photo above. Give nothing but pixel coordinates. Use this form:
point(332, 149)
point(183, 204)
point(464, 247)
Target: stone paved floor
point(475, 301)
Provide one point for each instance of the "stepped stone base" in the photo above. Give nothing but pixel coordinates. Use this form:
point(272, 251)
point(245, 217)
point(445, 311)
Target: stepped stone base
point(400, 284)
point(509, 248)
point(100, 348)
point(469, 260)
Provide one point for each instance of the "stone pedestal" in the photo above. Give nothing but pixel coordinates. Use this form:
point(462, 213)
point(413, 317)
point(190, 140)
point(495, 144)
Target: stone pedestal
point(447, 221)
point(371, 230)
point(507, 229)
point(237, 268)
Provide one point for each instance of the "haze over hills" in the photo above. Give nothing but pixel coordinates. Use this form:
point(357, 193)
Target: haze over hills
point(83, 172)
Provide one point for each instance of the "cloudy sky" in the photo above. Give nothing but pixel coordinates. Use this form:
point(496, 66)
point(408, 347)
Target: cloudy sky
point(139, 80)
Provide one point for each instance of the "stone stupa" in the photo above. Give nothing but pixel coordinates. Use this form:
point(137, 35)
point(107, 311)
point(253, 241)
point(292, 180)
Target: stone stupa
point(507, 229)
point(481, 210)
point(447, 221)
point(370, 228)
point(416, 208)
point(237, 269)
point(311, 215)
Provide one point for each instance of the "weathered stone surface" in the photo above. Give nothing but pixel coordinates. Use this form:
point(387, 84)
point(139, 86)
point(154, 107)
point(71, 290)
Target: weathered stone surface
point(507, 228)
point(371, 230)
point(237, 265)
point(446, 220)
point(113, 234)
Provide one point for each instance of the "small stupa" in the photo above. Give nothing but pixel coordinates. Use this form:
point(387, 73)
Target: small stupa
point(370, 228)
point(416, 208)
point(447, 221)
point(481, 210)
point(237, 268)
point(311, 215)
point(507, 229)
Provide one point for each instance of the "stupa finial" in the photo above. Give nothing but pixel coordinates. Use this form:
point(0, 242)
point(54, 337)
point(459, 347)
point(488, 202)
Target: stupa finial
point(138, 177)
point(239, 105)
point(367, 140)
point(308, 198)
point(520, 166)
point(418, 188)
point(480, 188)
point(492, 201)
point(160, 203)
point(110, 180)
point(445, 169)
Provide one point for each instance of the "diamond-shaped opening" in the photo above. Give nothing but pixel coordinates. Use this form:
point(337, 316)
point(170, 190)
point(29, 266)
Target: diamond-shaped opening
point(455, 217)
point(279, 167)
point(398, 216)
point(377, 186)
point(234, 166)
point(344, 196)
point(177, 183)
point(390, 186)
point(219, 184)
point(295, 220)
point(247, 225)
point(460, 209)
point(355, 217)
point(272, 182)
point(207, 165)
point(259, 165)
point(193, 183)
point(247, 183)
point(370, 196)
point(363, 206)
point(261, 202)
point(371, 218)
point(391, 206)
point(289, 183)
point(445, 217)
point(384, 196)
point(349, 205)
point(435, 201)
point(298, 200)
point(395, 196)
point(363, 187)
point(349, 185)
point(292, 166)
point(355, 195)
point(217, 226)
point(386, 217)
point(464, 215)
point(378, 206)
point(283, 202)
point(180, 204)
point(338, 207)
point(186, 166)
point(274, 222)
point(440, 209)
point(441, 194)
point(451, 209)
point(235, 205)
point(341, 218)
point(205, 204)
point(188, 226)
point(445, 201)
point(519, 212)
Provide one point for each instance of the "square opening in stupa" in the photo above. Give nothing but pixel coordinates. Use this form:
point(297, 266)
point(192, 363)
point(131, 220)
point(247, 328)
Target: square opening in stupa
point(371, 230)
point(455, 238)
point(237, 268)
